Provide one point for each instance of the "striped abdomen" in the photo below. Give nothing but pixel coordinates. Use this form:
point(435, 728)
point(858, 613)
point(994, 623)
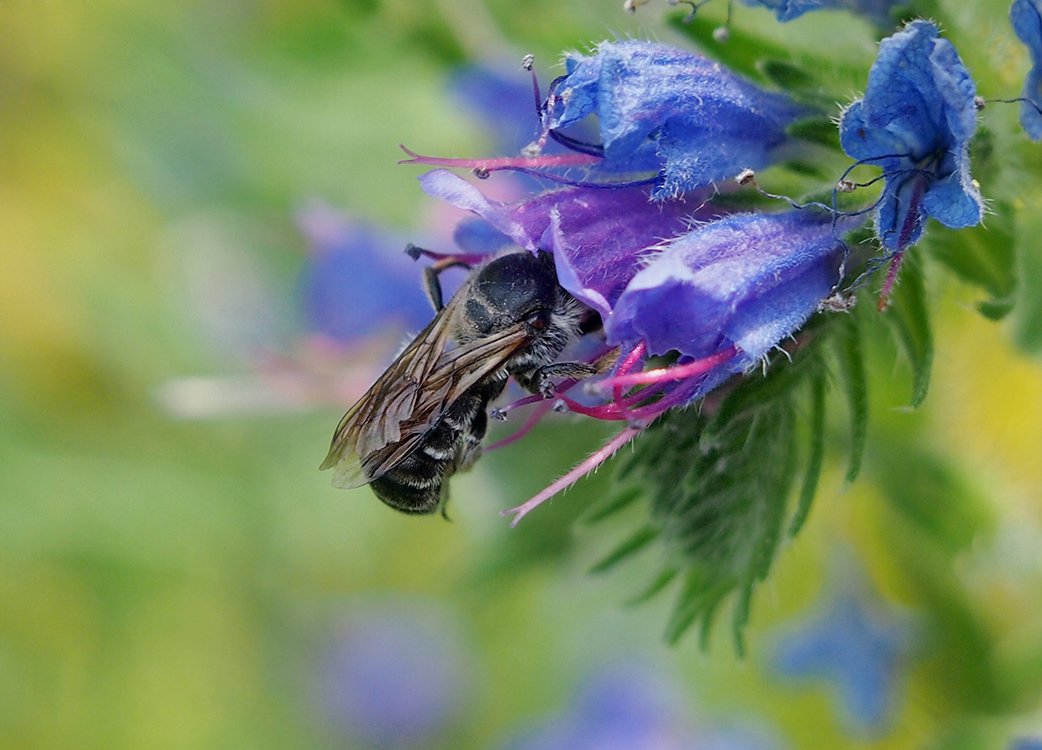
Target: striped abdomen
point(414, 485)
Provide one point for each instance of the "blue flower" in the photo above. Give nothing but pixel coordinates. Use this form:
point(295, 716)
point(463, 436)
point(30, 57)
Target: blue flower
point(349, 306)
point(744, 282)
point(916, 121)
point(1026, 17)
point(858, 648)
point(787, 10)
point(633, 706)
point(668, 111)
point(396, 675)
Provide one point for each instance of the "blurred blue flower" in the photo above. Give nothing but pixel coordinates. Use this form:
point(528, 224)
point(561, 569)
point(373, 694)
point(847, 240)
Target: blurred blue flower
point(631, 706)
point(1026, 17)
point(396, 676)
point(1027, 743)
point(358, 279)
point(623, 707)
point(787, 10)
point(504, 102)
point(669, 111)
point(857, 647)
point(916, 121)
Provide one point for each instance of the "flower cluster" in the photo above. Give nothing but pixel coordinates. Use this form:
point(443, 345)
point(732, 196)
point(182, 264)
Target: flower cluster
point(672, 271)
point(645, 142)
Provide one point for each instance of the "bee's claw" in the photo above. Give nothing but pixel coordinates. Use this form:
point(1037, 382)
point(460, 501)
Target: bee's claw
point(498, 414)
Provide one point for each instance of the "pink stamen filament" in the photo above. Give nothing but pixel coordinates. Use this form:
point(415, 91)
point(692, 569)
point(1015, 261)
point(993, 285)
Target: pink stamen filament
point(507, 162)
point(626, 365)
point(668, 374)
point(573, 476)
point(616, 410)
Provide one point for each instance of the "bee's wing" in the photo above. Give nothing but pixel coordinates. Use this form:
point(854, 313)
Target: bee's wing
point(393, 416)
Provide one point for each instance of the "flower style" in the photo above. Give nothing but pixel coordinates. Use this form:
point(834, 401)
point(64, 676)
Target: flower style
point(670, 111)
point(915, 122)
point(1026, 17)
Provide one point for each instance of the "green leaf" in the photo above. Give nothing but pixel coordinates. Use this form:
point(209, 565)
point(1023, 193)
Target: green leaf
point(851, 360)
point(984, 256)
point(813, 78)
point(937, 499)
point(719, 483)
point(821, 130)
point(816, 456)
point(614, 503)
point(785, 75)
point(632, 545)
point(910, 319)
point(659, 584)
point(1027, 330)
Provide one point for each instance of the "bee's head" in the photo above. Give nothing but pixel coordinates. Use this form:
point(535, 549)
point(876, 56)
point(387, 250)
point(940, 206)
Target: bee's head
point(513, 288)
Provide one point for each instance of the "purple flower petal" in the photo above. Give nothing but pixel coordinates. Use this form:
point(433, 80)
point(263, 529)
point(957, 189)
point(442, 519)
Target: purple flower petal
point(749, 280)
point(669, 111)
point(598, 236)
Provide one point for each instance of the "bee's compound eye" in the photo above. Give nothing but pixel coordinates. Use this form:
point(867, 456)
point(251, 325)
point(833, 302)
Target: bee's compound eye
point(538, 319)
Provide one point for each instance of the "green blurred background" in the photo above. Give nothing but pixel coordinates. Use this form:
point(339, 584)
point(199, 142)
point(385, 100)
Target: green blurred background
point(176, 583)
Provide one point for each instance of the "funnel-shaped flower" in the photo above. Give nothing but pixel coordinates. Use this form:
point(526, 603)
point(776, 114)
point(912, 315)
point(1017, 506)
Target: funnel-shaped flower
point(721, 295)
point(1026, 17)
point(668, 111)
point(916, 121)
point(747, 281)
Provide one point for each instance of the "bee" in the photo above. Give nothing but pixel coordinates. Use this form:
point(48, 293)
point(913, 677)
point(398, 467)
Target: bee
point(424, 418)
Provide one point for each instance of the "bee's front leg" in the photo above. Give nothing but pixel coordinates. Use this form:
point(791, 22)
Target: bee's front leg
point(431, 282)
point(540, 381)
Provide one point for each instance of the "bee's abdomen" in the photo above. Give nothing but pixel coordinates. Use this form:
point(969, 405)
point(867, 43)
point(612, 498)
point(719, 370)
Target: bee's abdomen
point(414, 484)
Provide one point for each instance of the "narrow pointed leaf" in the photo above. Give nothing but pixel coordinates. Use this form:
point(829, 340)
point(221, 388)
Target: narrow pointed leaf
point(635, 543)
point(855, 387)
point(815, 457)
point(910, 319)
